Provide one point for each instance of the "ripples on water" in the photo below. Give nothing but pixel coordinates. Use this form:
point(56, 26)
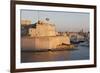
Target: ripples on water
point(80, 53)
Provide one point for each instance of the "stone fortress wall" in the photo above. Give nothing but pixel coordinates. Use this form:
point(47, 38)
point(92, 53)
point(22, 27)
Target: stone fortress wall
point(43, 42)
point(43, 36)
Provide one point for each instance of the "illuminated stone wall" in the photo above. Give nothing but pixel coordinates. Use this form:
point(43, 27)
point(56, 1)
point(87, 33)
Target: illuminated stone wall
point(42, 29)
point(43, 42)
point(43, 36)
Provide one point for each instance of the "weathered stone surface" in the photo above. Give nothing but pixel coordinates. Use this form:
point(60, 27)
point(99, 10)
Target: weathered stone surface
point(44, 36)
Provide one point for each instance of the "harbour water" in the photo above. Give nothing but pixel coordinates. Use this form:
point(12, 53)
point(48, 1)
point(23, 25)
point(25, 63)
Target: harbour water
point(78, 53)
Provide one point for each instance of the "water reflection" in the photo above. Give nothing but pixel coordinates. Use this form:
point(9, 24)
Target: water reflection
point(80, 53)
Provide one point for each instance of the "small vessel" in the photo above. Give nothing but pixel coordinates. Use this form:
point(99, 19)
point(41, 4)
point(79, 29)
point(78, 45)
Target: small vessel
point(86, 44)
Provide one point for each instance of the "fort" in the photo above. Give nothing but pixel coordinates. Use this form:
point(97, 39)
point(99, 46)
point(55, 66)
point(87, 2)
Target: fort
point(41, 35)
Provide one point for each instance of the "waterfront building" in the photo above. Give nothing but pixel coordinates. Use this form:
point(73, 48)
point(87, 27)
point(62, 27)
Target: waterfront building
point(43, 35)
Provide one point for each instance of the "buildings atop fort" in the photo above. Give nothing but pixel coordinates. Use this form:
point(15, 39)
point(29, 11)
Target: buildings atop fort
point(43, 28)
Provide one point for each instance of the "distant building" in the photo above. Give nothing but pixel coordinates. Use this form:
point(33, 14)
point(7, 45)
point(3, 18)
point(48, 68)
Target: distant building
point(25, 22)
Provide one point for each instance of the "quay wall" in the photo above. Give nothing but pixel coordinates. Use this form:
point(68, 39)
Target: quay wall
point(51, 42)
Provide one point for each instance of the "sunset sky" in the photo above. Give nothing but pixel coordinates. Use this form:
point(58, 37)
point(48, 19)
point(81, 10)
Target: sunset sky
point(64, 21)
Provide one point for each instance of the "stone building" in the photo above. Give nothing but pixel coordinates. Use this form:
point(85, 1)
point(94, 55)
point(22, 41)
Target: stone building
point(43, 28)
point(25, 22)
point(43, 35)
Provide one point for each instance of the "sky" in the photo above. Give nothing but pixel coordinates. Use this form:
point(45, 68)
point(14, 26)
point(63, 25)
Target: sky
point(64, 21)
